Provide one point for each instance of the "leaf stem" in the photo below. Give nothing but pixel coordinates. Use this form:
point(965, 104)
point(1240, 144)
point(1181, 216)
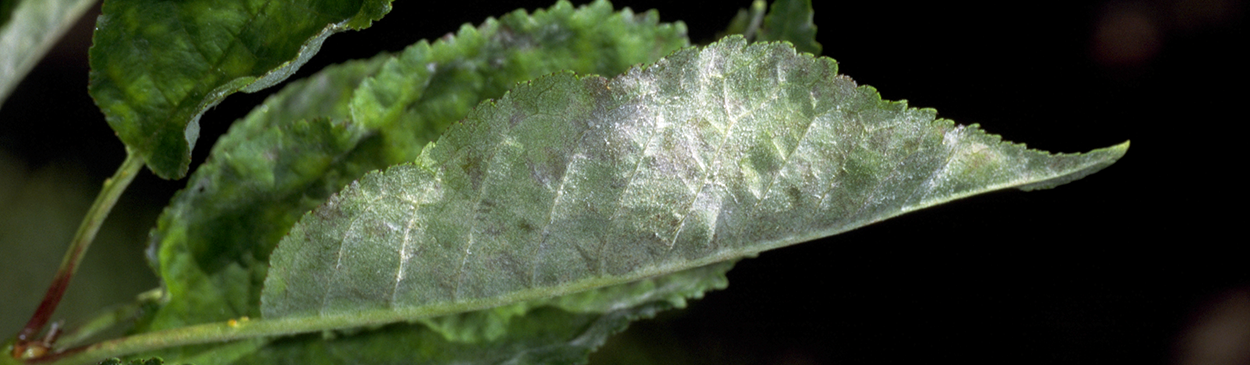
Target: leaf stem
point(112, 190)
point(758, 9)
point(109, 318)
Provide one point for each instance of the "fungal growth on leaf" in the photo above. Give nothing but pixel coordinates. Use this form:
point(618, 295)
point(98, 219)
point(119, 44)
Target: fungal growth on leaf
point(574, 182)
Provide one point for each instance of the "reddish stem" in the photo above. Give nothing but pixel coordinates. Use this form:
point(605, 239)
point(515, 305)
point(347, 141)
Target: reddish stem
point(49, 303)
point(112, 190)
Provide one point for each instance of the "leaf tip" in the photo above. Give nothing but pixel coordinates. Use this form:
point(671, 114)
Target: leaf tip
point(1087, 163)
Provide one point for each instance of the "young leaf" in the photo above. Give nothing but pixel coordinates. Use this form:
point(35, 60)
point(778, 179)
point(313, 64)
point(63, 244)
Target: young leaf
point(747, 22)
point(156, 66)
point(791, 21)
point(28, 28)
point(786, 20)
point(317, 135)
point(570, 183)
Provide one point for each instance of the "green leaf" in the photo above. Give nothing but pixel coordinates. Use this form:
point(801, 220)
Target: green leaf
point(747, 22)
point(28, 28)
point(558, 330)
point(417, 95)
point(156, 66)
point(570, 183)
point(544, 336)
point(787, 20)
point(312, 138)
point(791, 21)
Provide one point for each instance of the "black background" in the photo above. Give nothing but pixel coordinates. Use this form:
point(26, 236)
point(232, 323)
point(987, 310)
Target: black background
point(1109, 269)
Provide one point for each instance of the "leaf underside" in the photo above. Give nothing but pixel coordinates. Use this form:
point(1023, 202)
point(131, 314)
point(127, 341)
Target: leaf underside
point(569, 183)
point(156, 66)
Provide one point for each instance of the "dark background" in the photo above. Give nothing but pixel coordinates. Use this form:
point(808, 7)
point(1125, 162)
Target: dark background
point(1130, 265)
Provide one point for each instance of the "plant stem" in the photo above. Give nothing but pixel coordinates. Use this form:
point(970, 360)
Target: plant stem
point(113, 188)
point(244, 328)
point(758, 9)
point(108, 318)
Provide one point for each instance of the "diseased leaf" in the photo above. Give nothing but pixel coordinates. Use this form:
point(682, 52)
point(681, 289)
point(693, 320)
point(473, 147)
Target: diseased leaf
point(791, 21)
point(418, 94)
point(156, 66)
point(570, 183)
point(28, 28)
point(213, 239)
point(315, 136)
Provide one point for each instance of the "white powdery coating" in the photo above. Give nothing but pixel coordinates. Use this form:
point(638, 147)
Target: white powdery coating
point(707, 155)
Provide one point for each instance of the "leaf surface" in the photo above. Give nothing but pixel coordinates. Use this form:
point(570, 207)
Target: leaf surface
point(570, 183)
point(156, 65)
point(315, 136)
point(28, 28)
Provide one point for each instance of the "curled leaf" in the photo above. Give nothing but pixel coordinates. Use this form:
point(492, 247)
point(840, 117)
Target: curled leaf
point(156, 66)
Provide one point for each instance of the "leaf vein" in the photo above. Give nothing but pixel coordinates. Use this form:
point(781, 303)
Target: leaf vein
point(928, 181)
point(403, 249)
point(715, 166)
point(338, 261)
point(477, 204)
point(564, 178)
point(629, 183)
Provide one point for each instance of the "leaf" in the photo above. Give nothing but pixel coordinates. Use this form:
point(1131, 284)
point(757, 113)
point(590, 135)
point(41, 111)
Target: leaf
point(787, 20)
point(416, 96)
point(791, 21)
point(570, 183)
point(746, 22)
point(558, 330)
point(156, 66)
point(28, 28)
point(315, 136)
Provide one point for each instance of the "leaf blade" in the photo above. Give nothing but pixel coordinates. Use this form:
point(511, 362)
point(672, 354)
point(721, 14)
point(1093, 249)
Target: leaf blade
point(318, 134)
point(157, 66)
point(503, 187)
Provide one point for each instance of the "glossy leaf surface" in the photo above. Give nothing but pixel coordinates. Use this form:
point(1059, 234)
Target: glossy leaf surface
point(570, 183)
point(156, 66)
